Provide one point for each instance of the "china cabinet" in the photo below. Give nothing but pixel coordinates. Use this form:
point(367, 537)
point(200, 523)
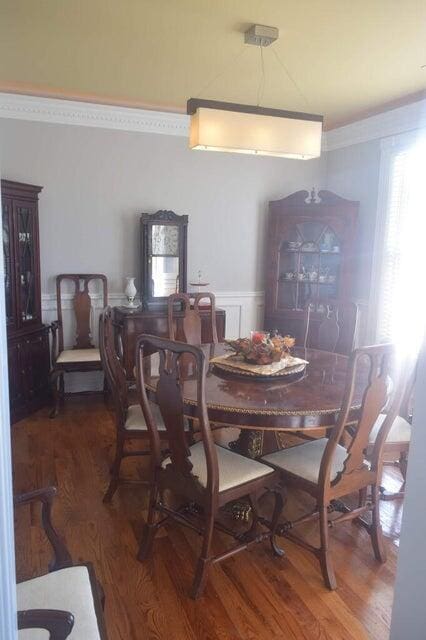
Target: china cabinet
point(309, 257)
point(28, 342)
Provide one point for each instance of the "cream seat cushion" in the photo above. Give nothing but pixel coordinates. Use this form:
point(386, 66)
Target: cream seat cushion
point(304, 460)
point(135, 418)
point(400, 431)
point(66, 590)
point(79, 355)
point(233, 468)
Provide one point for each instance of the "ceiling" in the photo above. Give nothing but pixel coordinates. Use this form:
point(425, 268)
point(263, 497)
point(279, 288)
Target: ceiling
point(348, 59)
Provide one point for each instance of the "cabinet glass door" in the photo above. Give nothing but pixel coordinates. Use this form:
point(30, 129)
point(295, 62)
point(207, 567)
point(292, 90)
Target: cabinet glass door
point(309, 265)
point(8, 261)
point(25, 238)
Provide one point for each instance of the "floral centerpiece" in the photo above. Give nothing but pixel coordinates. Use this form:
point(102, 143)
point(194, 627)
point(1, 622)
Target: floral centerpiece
point(261, 348)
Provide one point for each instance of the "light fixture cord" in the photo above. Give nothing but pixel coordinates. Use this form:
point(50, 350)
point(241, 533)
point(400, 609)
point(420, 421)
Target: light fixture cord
point(261, 87)
point(290, 77)
point(223, 71)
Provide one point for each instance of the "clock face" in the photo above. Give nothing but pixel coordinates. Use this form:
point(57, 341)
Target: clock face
point(165, 240)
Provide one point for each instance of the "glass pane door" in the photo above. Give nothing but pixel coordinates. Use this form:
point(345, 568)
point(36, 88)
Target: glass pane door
point(8, 260)
point(25, 236)
point(309, 265)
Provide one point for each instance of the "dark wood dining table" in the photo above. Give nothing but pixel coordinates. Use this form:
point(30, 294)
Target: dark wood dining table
point(260, 407)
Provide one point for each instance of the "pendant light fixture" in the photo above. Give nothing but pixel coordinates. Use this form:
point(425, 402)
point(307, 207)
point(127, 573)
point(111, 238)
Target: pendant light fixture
point(239, 128)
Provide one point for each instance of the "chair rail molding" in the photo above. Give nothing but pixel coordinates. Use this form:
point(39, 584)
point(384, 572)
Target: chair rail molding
point(19, 106)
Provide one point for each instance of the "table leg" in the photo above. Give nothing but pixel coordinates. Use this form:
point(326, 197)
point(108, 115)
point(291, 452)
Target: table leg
point(249, 443)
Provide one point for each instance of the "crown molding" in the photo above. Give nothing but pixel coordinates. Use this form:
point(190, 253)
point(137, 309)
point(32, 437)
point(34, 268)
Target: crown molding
point(409, 117)
point(403, 119)
point(85, 114)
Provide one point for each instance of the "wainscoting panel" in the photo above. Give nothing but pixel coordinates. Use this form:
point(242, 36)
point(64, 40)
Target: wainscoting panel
point(244, 312)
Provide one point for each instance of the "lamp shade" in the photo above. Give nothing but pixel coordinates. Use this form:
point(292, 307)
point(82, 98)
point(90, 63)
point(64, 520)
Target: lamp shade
point(223, 126)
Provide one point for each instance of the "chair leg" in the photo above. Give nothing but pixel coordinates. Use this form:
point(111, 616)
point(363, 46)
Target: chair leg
point(403, 463)
point(204, 560)
point(376, 527)
point(324, 552)
point(115, 471)
point(54, 375)
point(151, 527)
point(254, 504)
point(278, 508)
point(105, 389)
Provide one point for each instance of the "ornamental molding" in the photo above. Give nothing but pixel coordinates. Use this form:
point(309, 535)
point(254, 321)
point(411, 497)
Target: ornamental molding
point(87, 114)
point(410, 117)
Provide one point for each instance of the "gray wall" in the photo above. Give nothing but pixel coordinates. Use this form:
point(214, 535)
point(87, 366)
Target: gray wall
point(96, 181)
point(353, 172)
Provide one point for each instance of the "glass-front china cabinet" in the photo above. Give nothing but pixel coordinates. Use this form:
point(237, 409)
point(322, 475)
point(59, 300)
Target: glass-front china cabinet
point(28, 344)
point(309, 257)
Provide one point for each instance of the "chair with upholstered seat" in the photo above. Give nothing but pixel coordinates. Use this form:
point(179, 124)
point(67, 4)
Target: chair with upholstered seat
point(83, 356)
point(130, 421)
point(66, 602)
point(188, 328)
point(204, 474)
point(330, 325)
point(328, 471)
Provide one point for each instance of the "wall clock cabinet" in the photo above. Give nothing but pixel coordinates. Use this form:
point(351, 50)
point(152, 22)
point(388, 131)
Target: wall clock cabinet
point(27, 337)
point(309, 256)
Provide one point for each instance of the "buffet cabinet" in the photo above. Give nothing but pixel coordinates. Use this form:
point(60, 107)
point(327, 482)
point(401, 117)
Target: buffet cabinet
point(27, 337)
point(131, 323)
point(309, 257)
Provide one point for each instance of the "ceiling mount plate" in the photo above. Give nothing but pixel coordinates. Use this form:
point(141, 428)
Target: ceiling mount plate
point(260, 35)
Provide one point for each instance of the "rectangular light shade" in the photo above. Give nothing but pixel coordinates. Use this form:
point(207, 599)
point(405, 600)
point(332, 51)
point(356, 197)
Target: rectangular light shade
point(288, 136)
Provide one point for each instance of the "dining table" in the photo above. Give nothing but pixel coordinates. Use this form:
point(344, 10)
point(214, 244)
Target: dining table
point(264, 408)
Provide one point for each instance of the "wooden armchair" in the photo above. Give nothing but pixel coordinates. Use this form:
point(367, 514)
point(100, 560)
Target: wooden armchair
point(130, 421)
point(328, 471)
point(204, 474)
point(67, 602)
point(331, 326)
point(189, 329)
point(82, 356)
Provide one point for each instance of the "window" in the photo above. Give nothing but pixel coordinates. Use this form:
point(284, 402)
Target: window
point(401, 249)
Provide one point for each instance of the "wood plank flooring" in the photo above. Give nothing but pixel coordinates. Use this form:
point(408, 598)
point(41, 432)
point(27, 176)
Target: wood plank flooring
point(252, 596)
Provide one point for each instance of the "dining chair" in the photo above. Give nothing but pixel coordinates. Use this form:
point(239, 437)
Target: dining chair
point(330, 326)
point(83, 356)
point(66, 602)
point(203, 474)
point(398, 439)
point(328, 471)
point(188, 329)
point(129, 419)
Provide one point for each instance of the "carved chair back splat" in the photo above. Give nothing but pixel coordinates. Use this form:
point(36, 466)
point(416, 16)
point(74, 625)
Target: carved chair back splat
point(335, 328)
point(82, 306)
point(177, 362)
point(190, 329)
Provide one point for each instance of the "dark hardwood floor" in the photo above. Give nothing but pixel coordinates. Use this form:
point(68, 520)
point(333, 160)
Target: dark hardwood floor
point(251, 596)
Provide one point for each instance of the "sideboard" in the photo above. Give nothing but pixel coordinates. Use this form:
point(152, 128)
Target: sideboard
point(131, 323)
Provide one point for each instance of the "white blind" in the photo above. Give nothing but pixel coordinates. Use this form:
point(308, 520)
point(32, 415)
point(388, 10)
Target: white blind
point(392, 251)
point(401, 299)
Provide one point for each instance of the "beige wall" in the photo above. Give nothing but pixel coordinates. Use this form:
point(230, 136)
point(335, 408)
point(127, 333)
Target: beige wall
point(96, 182)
